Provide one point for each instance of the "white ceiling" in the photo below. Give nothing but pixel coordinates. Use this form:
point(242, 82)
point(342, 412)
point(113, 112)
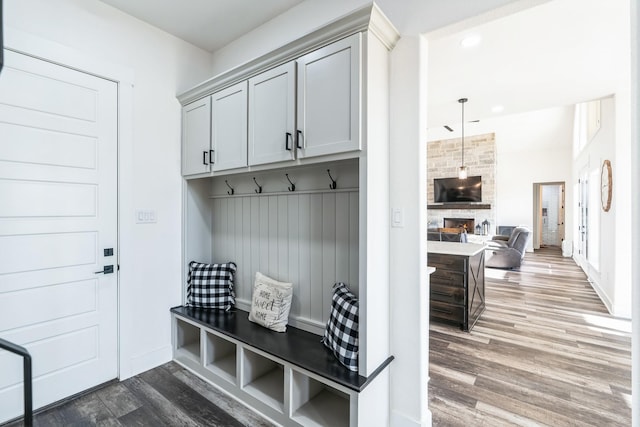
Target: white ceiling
point(555, 54)
point(208, 24)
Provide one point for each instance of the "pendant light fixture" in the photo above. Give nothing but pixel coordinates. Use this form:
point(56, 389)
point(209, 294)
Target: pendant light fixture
point(462, 171)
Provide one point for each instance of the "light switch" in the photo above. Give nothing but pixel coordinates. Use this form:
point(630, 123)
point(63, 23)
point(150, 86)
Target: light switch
point(146, 216)
point(397, 217)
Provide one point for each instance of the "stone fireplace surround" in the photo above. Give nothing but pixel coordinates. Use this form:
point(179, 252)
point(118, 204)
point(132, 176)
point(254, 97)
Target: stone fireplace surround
point(443, 160)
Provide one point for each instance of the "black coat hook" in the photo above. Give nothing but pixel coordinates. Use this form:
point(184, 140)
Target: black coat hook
point(259, 189)
point(333, 184)
point(293, 186)
point(232, 190)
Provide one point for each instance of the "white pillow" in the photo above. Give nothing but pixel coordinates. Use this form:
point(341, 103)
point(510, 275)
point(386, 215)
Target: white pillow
point(270, 303)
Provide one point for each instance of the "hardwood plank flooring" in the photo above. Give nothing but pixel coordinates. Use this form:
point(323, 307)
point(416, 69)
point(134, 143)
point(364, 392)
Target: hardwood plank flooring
point(544, 353)
point(168, 395)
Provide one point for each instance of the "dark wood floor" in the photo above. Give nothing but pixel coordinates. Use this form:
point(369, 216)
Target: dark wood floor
point(545, 352)
point(165, 396)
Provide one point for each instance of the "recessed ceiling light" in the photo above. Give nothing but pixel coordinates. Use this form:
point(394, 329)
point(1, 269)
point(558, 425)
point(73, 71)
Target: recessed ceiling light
point(470, 41)
point(497, 109)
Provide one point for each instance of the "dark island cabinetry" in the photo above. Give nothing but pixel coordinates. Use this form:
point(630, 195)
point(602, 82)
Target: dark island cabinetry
point(457, 285)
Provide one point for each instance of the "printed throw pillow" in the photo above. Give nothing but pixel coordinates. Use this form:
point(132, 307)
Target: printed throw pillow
point(211, 285)
point(270, 303)
point(341, 333)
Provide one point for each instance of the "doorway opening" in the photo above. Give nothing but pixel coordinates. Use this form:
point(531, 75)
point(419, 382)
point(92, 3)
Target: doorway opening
point(549, 215)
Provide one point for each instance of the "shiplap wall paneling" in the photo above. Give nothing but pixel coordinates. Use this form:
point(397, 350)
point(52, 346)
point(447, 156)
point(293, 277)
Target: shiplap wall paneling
point(308, 239)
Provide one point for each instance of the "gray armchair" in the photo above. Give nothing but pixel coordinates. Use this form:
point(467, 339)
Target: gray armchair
point(508, 254)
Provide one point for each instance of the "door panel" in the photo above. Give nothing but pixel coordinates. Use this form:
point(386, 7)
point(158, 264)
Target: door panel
point(329, 99)
point(229, 127)
point(58, 187)
point(196, 137)
point(271, 115)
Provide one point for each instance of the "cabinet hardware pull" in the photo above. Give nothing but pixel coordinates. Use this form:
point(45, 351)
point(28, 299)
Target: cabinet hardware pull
point(298, 138)
point(212, 156)
point(204, 158)
point(287, 138)
point(232, 191)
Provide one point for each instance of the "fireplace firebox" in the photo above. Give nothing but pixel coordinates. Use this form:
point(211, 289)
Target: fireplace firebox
point(467, 224)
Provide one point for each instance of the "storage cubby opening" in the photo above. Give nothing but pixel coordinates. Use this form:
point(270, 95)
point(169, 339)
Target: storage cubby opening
point(221, 357)
point(264, 379)
point(187, 340)
point(316, 404)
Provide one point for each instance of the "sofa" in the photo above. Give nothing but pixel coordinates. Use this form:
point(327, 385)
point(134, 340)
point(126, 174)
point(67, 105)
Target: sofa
point(508, 253)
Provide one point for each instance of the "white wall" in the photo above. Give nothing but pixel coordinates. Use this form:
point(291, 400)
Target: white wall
point(159, 66)
point(610, 280)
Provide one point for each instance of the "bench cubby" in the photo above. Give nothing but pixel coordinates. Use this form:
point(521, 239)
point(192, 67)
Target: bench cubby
point(313, 403)
point(187, 341)
point(220, 357)
point(263, 378)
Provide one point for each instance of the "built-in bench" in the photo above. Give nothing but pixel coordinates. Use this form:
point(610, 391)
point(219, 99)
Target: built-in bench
point(291, 377)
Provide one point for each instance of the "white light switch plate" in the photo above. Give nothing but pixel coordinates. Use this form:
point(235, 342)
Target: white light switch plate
point(146, 217)
point(397, 217)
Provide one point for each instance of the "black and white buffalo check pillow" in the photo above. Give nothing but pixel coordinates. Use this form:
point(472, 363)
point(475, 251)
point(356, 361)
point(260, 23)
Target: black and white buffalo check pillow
point(211, 285)
point(341, 333)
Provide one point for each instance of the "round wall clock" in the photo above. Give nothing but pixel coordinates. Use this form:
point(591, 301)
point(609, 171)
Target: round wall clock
point(606, 186)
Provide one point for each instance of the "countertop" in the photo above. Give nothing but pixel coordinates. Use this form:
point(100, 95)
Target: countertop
point(454, 248)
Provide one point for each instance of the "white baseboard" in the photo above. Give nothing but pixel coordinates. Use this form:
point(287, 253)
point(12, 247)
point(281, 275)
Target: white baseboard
point(401, 420)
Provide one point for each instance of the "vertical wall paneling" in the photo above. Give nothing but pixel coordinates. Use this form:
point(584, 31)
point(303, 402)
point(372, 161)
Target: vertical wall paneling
point(304, 257)
point(263, 231)
point(282, 237)
point(315, 259)
point(293, 249)
point(329, 250)
point(254, 223)
point(308, 239)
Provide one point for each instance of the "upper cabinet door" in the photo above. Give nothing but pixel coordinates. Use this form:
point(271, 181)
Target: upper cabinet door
point(196, 137)
point(271, 115)
point(229, 128)
point(328, 110)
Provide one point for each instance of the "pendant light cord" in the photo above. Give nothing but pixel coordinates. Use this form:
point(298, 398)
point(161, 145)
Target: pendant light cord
point(462, 101)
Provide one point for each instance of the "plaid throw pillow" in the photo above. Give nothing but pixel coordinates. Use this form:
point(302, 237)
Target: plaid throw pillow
point(341, 333)
point(211, 285)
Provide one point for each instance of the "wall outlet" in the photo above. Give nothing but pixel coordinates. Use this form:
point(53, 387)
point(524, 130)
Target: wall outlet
point(146, 217)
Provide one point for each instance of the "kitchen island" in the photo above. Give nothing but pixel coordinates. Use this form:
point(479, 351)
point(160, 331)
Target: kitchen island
point(457, 285)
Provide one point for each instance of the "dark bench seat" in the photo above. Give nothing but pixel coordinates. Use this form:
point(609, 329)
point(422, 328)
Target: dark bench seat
point(300, 348)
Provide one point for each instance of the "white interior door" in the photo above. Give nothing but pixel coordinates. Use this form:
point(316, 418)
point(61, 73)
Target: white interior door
point(58, 212)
